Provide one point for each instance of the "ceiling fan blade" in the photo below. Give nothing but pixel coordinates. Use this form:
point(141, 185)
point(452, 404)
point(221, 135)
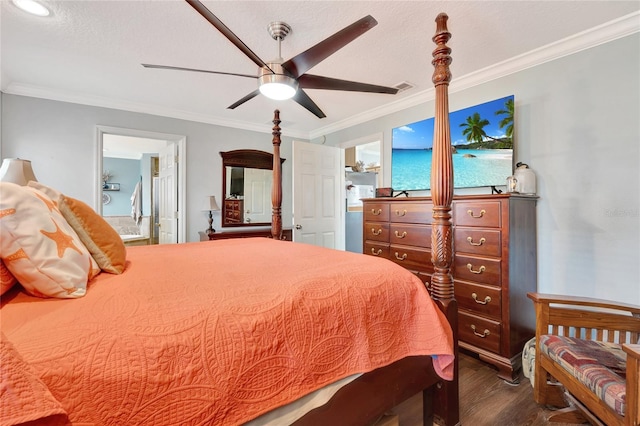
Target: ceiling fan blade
point(245, 99)
point(220, 26)
point(303, 99)
point(309, 81)
point(306, 60)
point(169, 67)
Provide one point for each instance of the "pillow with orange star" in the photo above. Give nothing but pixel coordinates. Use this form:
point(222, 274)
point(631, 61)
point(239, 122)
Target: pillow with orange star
point(39, 247)
point(100, 238)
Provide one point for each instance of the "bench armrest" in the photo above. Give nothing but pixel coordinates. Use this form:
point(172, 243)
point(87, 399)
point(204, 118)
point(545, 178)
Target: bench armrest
point(633, 383)
point(583, 301)
point(587, 318)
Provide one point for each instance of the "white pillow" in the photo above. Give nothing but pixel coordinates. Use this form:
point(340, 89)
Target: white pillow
point(39, 247)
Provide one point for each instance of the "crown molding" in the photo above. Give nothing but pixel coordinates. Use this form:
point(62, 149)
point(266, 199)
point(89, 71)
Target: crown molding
point(97, 101)
point(607, 32)
point(610, 31)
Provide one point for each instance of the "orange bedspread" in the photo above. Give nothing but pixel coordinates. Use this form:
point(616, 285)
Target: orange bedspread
point(220, 332)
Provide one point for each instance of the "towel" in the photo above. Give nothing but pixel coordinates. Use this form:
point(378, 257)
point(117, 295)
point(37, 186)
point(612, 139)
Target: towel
point(136, 203)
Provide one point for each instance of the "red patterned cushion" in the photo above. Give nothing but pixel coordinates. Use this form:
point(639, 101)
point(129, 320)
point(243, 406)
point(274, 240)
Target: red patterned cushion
point(600, 366)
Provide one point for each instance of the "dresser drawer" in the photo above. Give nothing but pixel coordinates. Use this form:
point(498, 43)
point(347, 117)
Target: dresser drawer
point(480, 332)
point(410, 235)
point(485, 242)
point(416, 212)
point(477, 213)
point(424, 277)
point(414, 258)
point(376, 212)
point(233, 214)
point(481, 299)
point(375, 231)
point(477, 269)
point(376, 249)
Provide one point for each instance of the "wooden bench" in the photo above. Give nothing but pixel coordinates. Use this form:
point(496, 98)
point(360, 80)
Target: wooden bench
point(587, 359)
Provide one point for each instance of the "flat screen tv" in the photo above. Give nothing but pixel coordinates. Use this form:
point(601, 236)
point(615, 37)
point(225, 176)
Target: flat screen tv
point(482, 141)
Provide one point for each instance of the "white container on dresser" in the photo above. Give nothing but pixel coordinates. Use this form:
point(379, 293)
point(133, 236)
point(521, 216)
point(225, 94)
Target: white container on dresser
point(493, 269)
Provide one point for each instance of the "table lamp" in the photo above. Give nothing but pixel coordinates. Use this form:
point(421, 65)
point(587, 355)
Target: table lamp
point(17, 171)
point(210, 205)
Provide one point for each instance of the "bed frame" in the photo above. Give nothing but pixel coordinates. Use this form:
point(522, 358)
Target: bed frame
point(366, 399)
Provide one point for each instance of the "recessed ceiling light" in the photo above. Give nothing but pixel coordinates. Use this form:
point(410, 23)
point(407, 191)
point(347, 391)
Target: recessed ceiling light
point(32, 7)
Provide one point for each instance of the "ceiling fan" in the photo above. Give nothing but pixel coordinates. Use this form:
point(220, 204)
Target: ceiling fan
point(281, 79)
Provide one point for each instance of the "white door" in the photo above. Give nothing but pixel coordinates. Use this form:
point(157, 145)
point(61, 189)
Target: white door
point(168, 194)
point(257, 195)
point(317, 195)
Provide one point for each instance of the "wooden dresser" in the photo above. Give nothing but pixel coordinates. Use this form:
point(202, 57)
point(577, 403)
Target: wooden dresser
point(233, 211)
point(493, 269)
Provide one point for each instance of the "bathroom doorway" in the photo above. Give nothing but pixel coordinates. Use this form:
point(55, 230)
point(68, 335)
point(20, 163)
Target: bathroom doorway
point(129, 170)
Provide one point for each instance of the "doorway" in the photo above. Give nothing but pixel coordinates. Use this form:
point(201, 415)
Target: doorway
point(129, 160)
point(363, 174)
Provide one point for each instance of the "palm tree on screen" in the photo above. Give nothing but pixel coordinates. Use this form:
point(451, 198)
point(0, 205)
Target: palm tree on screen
point(474, 128)
point(507, 121)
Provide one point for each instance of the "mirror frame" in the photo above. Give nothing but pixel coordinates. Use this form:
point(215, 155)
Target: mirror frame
point(248, 158)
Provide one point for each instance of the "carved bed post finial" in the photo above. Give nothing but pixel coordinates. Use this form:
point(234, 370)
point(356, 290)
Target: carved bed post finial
point(442, 169)
point(276, 188)
point(446, 406)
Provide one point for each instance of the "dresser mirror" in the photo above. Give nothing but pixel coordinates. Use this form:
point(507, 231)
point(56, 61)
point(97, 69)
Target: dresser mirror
point(246, 187)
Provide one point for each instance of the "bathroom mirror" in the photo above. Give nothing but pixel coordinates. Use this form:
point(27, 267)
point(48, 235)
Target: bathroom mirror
point(246, 187)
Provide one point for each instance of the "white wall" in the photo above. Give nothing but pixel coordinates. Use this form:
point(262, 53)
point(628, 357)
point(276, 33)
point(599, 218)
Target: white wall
point(60, 140)
point(577, 124)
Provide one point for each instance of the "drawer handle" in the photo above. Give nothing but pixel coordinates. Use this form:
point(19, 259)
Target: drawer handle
point(376, 212)
point(484, 334)
point(479, 271)
point(486, 299)
point(470, 213)
point(374, 232)
point(404, 234)
point(376, 253)
point(479, 243)
point(401, 213)
point(403, 257)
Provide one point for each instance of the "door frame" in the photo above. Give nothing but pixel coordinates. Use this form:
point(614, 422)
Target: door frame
point(179, 140)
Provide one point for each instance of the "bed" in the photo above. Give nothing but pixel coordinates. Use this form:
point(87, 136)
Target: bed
point(227, 332)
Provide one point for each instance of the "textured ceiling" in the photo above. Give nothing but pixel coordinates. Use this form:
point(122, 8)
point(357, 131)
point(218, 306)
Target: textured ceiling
point(90, 51)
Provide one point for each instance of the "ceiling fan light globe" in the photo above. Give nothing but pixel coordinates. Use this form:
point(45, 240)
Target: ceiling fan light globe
point(277, 86)
point(32, 7)
point(277, 91)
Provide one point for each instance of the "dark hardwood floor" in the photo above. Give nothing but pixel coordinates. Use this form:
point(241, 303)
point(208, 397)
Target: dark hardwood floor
point(485, 400)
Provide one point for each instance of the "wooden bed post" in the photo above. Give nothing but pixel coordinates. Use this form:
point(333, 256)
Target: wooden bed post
point(276, 188)
point(446, 407)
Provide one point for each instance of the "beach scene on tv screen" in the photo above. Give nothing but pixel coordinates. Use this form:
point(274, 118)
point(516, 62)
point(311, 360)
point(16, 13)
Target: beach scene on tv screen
point(482, 142)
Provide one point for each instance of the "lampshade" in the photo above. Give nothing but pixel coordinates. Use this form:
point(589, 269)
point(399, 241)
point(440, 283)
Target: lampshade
point(17, 171)
point(278, 86)
point(210, 204)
